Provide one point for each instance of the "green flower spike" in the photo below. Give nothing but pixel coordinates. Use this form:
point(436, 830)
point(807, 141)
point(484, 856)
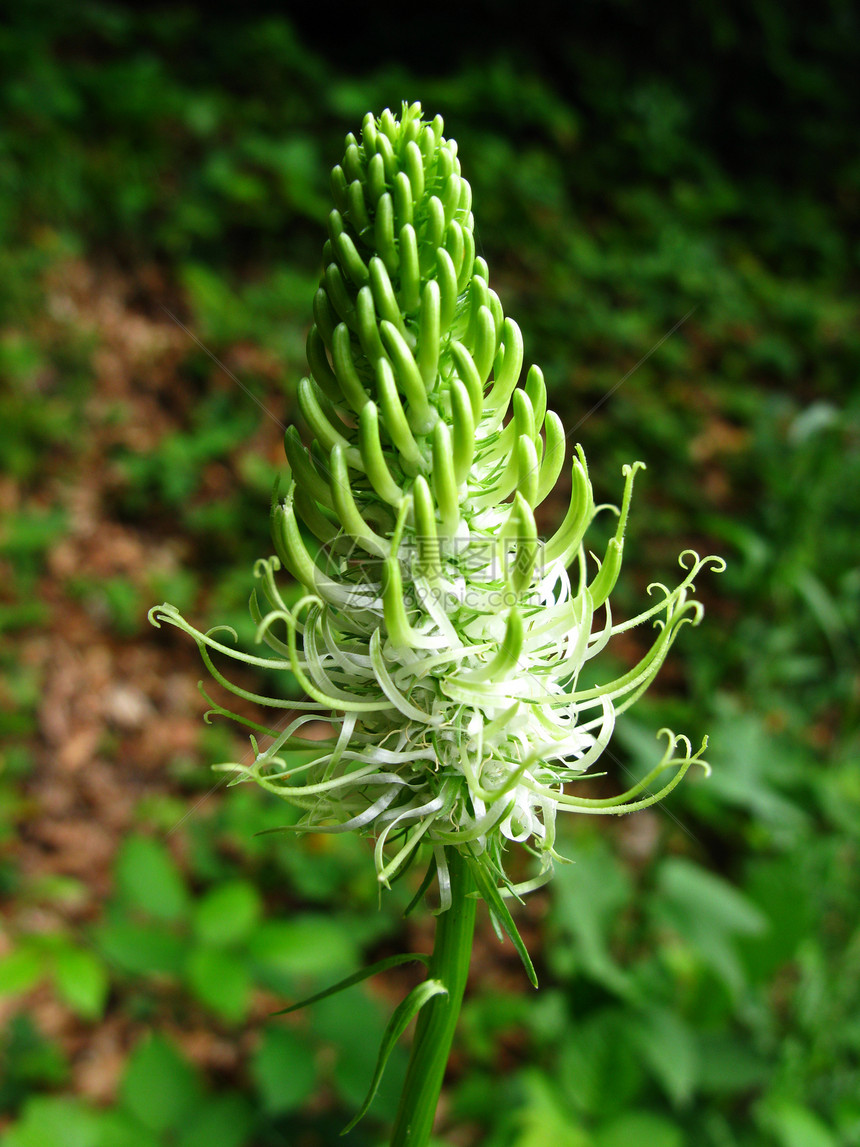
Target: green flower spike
point(439, 637)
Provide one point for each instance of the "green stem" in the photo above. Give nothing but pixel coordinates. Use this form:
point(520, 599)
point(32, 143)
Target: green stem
point(434, 1030)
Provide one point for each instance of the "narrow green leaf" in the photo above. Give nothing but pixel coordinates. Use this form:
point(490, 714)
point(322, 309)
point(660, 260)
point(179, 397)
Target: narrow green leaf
point(356, 978)
point(425, 884)
point(400, 1019)
point(488, 890)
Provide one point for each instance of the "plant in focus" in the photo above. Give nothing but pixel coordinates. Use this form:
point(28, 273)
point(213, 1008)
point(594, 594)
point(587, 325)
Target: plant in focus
point(439, 638)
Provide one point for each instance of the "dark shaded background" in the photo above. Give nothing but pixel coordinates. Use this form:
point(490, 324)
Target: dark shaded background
point(163, 191)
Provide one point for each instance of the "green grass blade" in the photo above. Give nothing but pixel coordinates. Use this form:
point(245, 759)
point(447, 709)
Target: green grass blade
point(487, 888)
point(356, 978)
point(425, 884)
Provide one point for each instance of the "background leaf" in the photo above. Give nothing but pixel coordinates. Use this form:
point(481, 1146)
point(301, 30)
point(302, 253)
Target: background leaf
point(20, 970)
point(81, 980)
point(50, 1119)
point(148, 879)
point(797, 1126)
point(159, 1087)
point(669, 1049)
point(283, 1069)
point(222, 981)
point(544, 1119)
point(641, 1128)
point(306, 946)
point(227, 914)
point(227, 1120)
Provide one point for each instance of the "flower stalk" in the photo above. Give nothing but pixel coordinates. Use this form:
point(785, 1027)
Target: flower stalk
point(436, 1023)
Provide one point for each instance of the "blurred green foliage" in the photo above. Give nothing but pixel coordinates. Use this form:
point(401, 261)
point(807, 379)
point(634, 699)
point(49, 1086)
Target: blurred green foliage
point(697, 175)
